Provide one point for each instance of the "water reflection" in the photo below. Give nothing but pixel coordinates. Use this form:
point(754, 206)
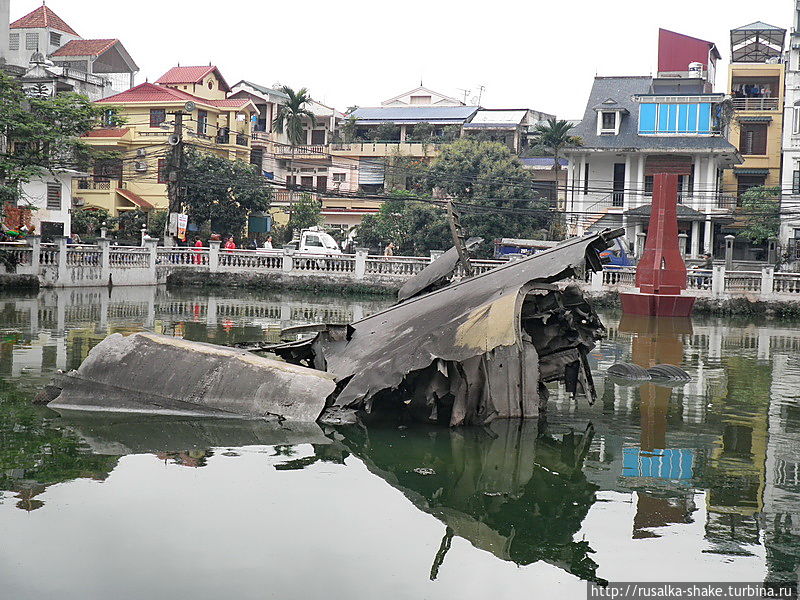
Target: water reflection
point(706, 475)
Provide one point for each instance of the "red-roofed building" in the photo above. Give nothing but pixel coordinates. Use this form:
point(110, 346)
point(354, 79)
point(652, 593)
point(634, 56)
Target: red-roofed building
point(206, 81)
point(94, 67)
point(138, 179)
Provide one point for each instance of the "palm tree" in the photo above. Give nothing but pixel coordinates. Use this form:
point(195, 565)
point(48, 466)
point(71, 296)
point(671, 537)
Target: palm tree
point(554, 135)
point(290, 118)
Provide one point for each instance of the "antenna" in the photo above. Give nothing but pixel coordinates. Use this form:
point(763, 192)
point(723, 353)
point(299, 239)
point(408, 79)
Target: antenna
point(466, 93)
point(480, 93)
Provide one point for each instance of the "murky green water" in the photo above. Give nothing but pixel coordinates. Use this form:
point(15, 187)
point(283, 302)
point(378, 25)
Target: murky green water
point(695, 483)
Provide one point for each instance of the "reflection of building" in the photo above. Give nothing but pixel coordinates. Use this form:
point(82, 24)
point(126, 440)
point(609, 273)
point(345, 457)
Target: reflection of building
point(790, 179)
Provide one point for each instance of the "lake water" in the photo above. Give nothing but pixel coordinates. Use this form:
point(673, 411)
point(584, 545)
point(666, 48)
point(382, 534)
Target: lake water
point(692, 483)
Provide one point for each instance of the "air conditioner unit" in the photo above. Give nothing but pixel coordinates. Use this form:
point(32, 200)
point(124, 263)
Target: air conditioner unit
point(141, 152)
point(140, 166)
point(77, 201)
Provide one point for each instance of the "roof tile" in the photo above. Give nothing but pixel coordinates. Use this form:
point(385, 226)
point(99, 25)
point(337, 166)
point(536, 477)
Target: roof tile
point(42, 17)
point(85, 47)
point(190, 75)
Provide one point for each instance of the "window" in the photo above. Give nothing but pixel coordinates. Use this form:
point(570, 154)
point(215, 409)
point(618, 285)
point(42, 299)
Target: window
point(53, 196)
point(307, 182)
point(689, 118)
point(210, 84)
point(314, 241)
point(585, 178)
point(202, 121)
point(609, 120)
point(648, 185)
point(162, 170)
point(257, 157)
point(55, 39)
point(31, 41)
point(322, 183)
point(796, 120)
point(13, 41)
point(110, 117)
point(338, 177)
point(318, 137)
point(157, 116)
point(796, 182)
point(753, 138)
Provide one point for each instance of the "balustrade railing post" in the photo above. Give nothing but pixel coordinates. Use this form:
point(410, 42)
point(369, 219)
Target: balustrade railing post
point(105, 260)
point(213, 255)
point(151, 245)
point(436, 254)
point(35, 242)
point(361, 263)
point(62, 278)
point(767, 282)
point(288, 253)
point(718, 281)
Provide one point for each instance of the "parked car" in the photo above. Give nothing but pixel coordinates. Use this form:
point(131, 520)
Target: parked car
point(311, 241)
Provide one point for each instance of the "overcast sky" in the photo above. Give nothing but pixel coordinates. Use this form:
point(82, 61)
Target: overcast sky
point(541, 54)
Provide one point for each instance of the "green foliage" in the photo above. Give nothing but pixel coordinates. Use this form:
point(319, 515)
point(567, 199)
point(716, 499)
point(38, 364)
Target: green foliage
point(291, 115)
point(553, 137)
point(450, 133)
point(223, 191)
point(306, 212)
point(422, 132)
point(760, 212)
point(415, 227)
point(42, 133)
point(156, 222)
point(88, 221)
point(349, 129)
point(385, 132)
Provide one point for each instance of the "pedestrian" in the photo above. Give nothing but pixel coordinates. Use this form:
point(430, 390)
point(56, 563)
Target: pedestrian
point(198, 244)
point(230, 244)
point(389, 251)
point(704, 279)
point(268, 243)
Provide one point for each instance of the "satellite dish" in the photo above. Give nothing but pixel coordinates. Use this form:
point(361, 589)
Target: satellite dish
point(174, 139)
point(189, 106)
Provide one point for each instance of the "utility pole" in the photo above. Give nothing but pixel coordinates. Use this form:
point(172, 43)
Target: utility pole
point(174, 175)
point(459, 238)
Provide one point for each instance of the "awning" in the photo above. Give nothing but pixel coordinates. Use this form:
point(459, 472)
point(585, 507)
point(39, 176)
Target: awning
point(135, 198)
point(764, 119)
point(738, 172)
point(370, 172)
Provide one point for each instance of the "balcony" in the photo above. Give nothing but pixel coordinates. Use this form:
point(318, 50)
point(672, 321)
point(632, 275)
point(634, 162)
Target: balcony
point(306, 151)
point(756, 104)
point(96, 184)
point(388, 148)
point(284, 196)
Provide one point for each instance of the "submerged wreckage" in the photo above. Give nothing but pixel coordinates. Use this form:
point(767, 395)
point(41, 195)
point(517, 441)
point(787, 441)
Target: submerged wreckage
point(462, 353)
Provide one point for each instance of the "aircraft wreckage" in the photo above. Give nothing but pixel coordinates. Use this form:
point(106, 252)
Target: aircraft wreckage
point(461, 353)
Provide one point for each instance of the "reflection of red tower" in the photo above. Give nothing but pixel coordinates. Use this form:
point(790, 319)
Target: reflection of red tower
point(661, 272)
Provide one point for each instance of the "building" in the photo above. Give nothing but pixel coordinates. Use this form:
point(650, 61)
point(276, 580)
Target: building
point(511, 127)
point(636, 126)
point(137, 179)
point(756, 85)
point(55, 58)
point(790, 179)
point(422, 96)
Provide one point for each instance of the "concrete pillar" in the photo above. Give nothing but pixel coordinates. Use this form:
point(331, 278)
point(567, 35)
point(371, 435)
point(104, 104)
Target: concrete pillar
point(729, 251)
point(436, 254)
point(708, 236)
point(361, 262)
point(569, 196)
point(213, 255)
point(767, 282)
point(641, 240)
point(105, 260)
point(35, 242)
point(640, 180)
point(710, 186)
point(682, 239)
point(63, 276)
point(626, 195)
point(597, 281)
point(695, 251)
point(151, 245)
point(697, 188)
point(287, 259)
point(717, 281)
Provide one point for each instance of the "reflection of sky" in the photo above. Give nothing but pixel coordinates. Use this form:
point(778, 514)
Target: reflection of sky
point(661, 464)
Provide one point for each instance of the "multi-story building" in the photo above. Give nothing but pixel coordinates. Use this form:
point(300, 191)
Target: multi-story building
point(137, 179)
point(637, 126)
point(56, 59)
point(790, 180)
point(756, 85)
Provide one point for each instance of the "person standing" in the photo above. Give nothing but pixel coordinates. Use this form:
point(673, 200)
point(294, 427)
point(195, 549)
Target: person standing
point(197, 244)
point(268, 243)
point(230, 244)
point(389, 251)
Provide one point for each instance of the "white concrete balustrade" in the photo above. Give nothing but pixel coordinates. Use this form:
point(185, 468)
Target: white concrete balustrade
point(63, 265)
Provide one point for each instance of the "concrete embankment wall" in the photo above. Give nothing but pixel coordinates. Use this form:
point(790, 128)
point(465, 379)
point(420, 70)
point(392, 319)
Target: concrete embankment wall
point(287, 281)
point(11, 281)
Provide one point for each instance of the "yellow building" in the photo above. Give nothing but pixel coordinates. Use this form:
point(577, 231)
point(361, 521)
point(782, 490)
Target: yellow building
point(756, 85)
point(136, 176)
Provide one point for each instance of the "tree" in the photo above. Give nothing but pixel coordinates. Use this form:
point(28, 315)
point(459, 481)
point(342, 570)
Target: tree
point(223, 191)
point(290, 119)
point(555, 136)
point(385, 132)
point(88, 221)
point(498, 193)
point(42, 135)
point(760, 213)
point(307, 213)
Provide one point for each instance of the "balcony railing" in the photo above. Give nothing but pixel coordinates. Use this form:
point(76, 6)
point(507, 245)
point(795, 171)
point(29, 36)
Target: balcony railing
point(755, 104)
point(305, 150)
point(284, 196)
point(96, 183)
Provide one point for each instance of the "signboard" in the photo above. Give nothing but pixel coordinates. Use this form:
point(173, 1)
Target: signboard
point(172, 228)
point(183, 221)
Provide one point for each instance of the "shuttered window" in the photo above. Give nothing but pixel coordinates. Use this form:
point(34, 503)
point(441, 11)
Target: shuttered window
point(157, 116)
point(679, 165)
point(796, 182)
point(162, 170)
point(53, 196)
point(370, 171)
point(753, 138)
point(13, 41)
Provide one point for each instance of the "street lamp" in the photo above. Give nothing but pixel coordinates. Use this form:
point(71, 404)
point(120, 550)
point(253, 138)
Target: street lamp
point(103, 230)
point(144, 232)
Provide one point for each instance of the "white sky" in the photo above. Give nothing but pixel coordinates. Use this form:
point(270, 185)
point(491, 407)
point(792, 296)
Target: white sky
point(541, 54)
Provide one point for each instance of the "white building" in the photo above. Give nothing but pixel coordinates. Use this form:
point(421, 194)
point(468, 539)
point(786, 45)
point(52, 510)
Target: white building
point(790, 179)
point(50, 199)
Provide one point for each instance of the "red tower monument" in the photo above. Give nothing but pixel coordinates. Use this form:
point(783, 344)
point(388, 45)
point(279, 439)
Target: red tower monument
point(661, 272)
